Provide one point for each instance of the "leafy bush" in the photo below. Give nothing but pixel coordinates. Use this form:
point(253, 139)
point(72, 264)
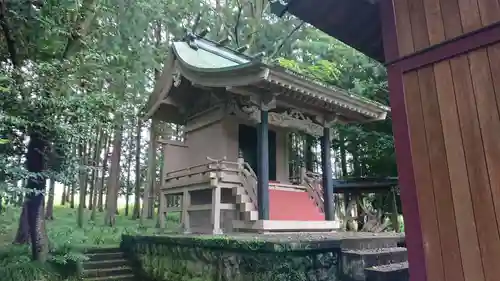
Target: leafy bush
point(68, 243)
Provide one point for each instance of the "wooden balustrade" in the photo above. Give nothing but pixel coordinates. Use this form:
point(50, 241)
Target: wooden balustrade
point(312, 182)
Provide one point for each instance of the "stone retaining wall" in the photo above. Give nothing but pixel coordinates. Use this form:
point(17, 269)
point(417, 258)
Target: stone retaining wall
point(222, 258)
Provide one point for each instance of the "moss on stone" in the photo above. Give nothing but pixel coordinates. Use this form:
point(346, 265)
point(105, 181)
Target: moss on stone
point(222, 258)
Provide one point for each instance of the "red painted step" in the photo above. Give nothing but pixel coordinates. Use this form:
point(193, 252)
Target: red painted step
point(293, 206)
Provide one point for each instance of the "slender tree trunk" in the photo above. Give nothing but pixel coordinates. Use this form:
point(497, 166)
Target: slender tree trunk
point(49, 215)
point(95, 160)
point(153, 165)
point(129, 168)
point(114, 174)
point(73, 187)
point(137, 193)
point(83, 188)
point(310, 141)
point(98, 186)
point(343, 157)
point(63, 196)
point(104, 171)
point(148, 189)
point(86, 163)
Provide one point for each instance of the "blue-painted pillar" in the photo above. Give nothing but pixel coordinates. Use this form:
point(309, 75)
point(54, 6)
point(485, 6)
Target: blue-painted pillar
point(326, 167)
point(263, 166)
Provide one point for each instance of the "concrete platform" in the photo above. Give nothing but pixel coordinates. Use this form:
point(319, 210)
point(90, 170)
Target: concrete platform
point(269, 226)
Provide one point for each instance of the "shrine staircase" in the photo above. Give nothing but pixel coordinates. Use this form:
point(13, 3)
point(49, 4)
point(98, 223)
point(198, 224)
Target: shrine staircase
point(107, 265)
point(368, 259)
point(293, 205)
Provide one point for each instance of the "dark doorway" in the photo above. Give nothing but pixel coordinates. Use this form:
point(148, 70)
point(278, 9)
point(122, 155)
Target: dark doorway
point(247, 138)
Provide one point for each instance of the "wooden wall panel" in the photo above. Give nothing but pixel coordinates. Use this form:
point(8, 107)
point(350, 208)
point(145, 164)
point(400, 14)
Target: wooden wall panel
point(454, 125)
point(471, 266)
point(452, 109)
point(445, 213)
point(457, 16)
point(423, 178)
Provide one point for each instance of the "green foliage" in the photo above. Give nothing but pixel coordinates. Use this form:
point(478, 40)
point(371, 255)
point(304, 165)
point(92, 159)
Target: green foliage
point(69, 244)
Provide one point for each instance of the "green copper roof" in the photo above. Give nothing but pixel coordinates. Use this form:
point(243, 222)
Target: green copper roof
point(207, 55)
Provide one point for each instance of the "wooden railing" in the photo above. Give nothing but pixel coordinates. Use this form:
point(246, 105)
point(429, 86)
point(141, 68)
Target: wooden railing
point(249, 180)
point(314, 187)
point(247, 175)
point(210, 165)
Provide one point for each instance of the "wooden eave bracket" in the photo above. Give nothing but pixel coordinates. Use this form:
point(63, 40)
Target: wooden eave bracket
point(328, 120)
point(319, 92)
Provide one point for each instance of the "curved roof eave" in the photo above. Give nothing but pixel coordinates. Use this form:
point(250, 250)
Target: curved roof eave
point(329, 94)
point(161, 88)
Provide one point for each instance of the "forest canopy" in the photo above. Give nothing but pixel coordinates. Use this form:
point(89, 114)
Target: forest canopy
point(74, 76)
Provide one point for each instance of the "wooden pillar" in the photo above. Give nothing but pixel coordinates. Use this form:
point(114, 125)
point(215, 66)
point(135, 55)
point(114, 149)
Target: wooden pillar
point(443, 61)
point(326, 165)
point(216, 211)
point(186, 202)
point(263, 165)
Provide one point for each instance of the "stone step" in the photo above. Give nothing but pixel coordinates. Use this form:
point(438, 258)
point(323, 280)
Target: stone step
point(246, 207)
point(238, 190)
point(107, 272)
point(103, 264)
point(375, 241)
point(124, 277)
point(104, 256)
point(355, 261)
point(243, 198)
point(103, 250)
point(389, 272)
point(250, 215)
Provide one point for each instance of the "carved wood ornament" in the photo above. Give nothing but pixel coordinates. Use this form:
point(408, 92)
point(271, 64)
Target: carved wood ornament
point(288, 119)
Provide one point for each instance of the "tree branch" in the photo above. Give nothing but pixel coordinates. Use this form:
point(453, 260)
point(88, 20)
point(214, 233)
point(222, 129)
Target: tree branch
point(196, 23)
point(282, 43)
point(82, 25)
point(11, 44)
point(236, 26)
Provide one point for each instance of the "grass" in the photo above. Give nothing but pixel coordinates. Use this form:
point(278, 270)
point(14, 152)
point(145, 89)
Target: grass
point(68, 241)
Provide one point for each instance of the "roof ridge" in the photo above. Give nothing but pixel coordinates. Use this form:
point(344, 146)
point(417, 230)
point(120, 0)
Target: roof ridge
point(192, 37)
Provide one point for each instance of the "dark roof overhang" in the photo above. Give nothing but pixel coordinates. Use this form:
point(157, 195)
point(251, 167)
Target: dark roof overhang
point(357, 23)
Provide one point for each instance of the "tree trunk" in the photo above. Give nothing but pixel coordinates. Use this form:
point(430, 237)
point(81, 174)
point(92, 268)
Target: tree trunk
point(129, 168)
point(114, 174)
point(98, 186)
point(103, 177)
point(310, 142)
point(148, 189)
point(137, 193)
point(49, 215)
point(63, 196)
point(36, 163)
point(82, 171)
point(73, 187)
point(95, 161)
point(23, 235)
point(84, 183)
point(343, 157)
point(20, 199)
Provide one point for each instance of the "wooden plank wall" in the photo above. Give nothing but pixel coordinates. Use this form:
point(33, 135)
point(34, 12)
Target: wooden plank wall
point(453, 118)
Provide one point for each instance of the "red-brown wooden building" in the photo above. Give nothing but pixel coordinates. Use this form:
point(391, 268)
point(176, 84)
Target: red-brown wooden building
point(443, 61)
